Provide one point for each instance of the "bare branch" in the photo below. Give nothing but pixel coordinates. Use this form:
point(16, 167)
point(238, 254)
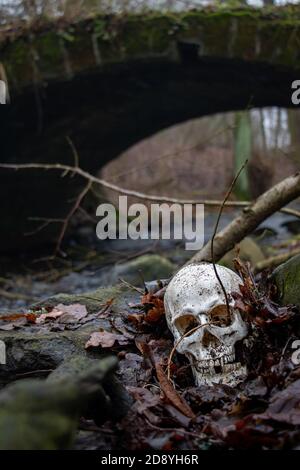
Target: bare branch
point(268, 203)
point(74, 151)
point(129, 192)
point(66, 221)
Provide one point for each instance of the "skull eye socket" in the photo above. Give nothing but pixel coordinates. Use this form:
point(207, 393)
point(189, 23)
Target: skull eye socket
point(220, 316)
point(185, 324)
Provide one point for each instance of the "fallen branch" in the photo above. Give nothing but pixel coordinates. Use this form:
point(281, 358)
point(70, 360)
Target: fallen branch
point(171, 394)
point(165, 384)
point(65, 169)
point(269, 202)
point(275, 260)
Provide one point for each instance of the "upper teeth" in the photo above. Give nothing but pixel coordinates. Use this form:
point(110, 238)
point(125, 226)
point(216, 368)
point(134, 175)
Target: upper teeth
point(208, 365)
point(226, 369)
point(217, 362)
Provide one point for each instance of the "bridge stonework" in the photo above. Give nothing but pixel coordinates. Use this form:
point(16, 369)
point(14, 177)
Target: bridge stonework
point(56, 50)
point(110, 82)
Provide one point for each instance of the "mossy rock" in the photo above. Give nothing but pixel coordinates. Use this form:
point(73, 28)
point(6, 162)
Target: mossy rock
point(43, 415)
point(150, 267)
point(29, 349)
point(112, 401)
point(249, 250)
point(287, 280)
point(93, 300)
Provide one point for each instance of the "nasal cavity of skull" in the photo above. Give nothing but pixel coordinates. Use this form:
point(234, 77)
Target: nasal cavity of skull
point(210, 340)
point(185, 324)
point(220, 316)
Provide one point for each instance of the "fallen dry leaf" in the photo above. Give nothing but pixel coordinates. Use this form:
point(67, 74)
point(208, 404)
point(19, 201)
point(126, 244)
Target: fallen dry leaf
point(154, 310)
point(136, 318)
point(105, 339)
point(66, 314)
point(255, 305)
point(16, 320)
point(30, 317)
point(166, 386)
point(7, 327)
point(171, 394)
point(284, 406)
point(55, 313)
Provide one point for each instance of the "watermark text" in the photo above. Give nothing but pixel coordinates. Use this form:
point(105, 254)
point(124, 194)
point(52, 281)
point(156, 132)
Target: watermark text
point(3, 92)
point(161, 221)
point(2, 353)
point(296, 93)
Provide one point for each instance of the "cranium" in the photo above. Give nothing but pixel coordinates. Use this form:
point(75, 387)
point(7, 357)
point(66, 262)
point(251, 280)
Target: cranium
point(194, 297)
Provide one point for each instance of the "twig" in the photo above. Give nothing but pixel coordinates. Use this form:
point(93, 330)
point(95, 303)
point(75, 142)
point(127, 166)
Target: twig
point(285, 348)
point(215, 232)
point(34, 372)
point(15, 295)
point(165, 384)
point(140, 291)
point(70, 215)
point(275, 260)
point(44, 224)
point(94, 428)
point(290, 211)
point(178, 430)
point(74, 151)
point(129, 192)
point(265, 205)
point(178, 342)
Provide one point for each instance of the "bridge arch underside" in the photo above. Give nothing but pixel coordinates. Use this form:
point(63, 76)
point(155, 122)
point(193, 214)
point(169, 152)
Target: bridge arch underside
point(106, 111)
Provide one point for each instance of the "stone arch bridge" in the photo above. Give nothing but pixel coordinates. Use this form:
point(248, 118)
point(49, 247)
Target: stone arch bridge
point(108, 82)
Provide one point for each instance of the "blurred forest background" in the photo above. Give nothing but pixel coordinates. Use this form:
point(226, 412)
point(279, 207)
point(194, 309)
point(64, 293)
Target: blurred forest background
point(11, 10)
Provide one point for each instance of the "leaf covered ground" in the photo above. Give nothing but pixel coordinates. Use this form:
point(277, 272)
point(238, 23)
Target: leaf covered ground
point(262, 412)
point(168, 412)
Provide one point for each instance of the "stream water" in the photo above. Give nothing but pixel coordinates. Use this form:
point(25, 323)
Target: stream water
point(90, 264)
point(270, 137)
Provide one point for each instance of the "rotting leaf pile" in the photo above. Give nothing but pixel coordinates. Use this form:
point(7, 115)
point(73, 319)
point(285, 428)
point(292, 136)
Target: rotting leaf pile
point(261, 413)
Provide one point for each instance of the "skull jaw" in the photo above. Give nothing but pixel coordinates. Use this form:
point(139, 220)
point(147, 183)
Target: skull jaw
point(231, 374)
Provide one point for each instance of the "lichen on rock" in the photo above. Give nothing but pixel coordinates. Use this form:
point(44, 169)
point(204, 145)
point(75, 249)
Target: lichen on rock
point(287, 279)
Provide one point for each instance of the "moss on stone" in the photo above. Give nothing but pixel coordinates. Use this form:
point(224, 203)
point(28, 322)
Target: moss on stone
point(29, 349)
point(49, 54)
point(16, 59)
point(92, 300)
point(270, 35)
point(248, 250)
point(287, 280)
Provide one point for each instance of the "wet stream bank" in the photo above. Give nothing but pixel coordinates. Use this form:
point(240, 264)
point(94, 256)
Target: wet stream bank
point(89, 263)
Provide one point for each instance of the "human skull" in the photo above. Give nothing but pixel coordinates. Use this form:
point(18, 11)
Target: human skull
point(194, 297)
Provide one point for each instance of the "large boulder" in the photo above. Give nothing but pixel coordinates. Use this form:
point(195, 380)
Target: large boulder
point(287, 280)
point(147, 267)
point(32, 348)
point(43, 415)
